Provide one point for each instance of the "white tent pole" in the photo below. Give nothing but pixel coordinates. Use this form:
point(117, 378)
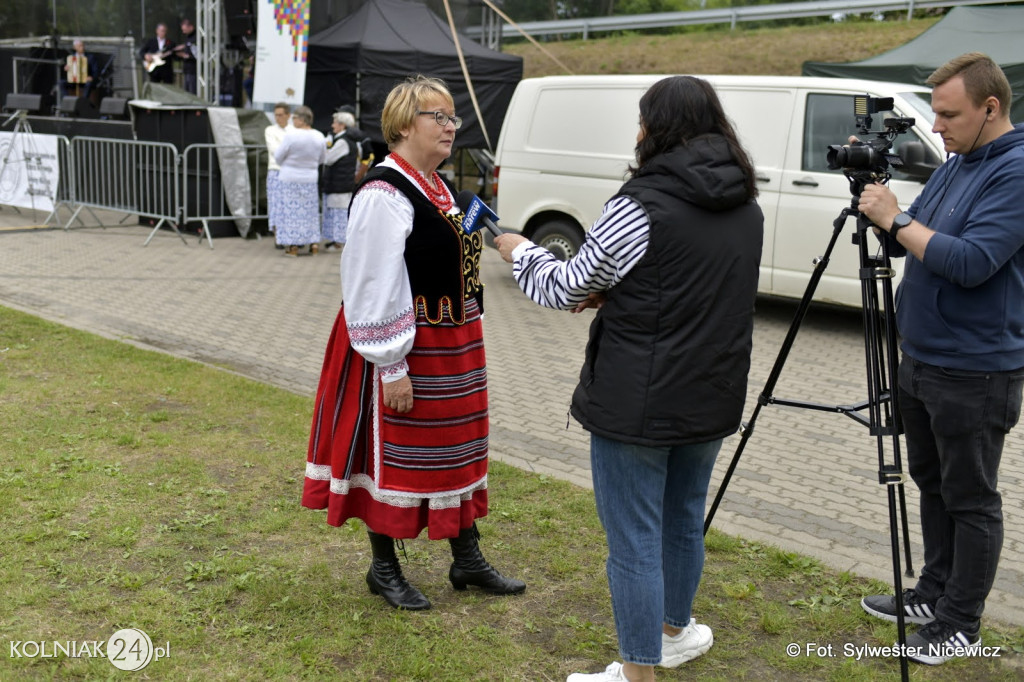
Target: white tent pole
point(465, 74)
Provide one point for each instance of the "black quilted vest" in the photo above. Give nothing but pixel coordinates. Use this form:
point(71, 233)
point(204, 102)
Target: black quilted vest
point(669, 352)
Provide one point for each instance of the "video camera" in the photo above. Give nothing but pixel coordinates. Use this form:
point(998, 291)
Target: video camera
point(867, 162)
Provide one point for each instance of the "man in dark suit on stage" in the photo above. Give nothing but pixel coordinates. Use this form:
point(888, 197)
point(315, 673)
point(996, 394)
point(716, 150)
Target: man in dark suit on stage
point(80, 72)
point(156, 53)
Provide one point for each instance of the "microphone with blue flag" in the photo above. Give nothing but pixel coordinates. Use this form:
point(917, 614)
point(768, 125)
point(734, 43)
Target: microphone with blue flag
point(477, 214)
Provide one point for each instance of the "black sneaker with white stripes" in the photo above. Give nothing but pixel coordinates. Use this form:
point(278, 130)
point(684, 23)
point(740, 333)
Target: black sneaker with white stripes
point(939, 641)
point(915, 609)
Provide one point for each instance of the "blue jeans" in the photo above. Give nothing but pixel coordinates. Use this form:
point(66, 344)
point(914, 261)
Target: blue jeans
point(651, 504)
point(955, 422)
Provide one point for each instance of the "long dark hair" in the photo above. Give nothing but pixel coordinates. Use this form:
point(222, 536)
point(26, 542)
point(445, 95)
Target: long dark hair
point(679, 109)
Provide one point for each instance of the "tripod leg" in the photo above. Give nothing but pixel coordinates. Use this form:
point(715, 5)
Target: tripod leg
point(745, 431)
point(901, 624)
point(888, 353)
point(881, 361)
point(909, 571)
point(773, 377)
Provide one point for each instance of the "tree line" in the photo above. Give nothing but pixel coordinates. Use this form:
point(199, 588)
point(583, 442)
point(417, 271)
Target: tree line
point(25, 18)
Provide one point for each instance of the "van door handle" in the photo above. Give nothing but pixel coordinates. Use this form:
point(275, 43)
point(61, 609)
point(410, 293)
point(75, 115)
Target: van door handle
point(763, 178)
point(806, 183)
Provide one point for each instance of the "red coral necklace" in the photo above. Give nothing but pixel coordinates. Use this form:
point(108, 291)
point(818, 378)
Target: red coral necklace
point(440, 196)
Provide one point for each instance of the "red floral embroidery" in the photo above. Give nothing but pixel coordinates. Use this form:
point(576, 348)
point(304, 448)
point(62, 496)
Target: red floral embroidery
point(377, 333)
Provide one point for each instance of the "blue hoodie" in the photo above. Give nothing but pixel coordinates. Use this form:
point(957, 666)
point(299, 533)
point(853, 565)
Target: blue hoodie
point(963, 306)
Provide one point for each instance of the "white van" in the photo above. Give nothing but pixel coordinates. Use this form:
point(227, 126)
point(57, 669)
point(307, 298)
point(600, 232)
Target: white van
point(567, 140)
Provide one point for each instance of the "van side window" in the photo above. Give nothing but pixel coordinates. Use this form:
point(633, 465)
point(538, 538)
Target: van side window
point(828, 120)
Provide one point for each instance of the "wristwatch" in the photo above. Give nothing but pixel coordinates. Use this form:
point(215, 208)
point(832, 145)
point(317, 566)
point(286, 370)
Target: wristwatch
point(899, 222)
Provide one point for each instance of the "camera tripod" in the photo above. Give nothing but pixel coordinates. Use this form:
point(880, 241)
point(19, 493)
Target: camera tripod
point(882, 410)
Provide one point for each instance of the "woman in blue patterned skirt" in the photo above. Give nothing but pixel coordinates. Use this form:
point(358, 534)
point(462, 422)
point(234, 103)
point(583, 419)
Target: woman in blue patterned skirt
point(301, 152)
point(273, 134)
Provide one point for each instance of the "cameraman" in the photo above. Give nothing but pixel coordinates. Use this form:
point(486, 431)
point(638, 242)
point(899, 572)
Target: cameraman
point(960, 312)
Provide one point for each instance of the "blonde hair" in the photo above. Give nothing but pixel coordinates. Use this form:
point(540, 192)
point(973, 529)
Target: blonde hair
point(982, 79)
point(405, 100)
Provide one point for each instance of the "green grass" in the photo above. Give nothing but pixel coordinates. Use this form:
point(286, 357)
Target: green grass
point(139, 490)
point(777, 50)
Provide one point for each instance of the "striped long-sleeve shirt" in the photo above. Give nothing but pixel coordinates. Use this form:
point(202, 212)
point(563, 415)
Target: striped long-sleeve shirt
point(615, 243)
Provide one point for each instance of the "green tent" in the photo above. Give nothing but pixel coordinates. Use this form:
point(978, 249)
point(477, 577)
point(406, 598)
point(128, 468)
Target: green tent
point(996, 31)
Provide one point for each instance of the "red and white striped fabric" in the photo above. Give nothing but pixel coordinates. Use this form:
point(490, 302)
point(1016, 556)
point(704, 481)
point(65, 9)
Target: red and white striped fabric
point(401, 473)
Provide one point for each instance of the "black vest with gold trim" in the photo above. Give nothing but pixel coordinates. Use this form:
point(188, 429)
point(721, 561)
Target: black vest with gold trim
point(442, 260)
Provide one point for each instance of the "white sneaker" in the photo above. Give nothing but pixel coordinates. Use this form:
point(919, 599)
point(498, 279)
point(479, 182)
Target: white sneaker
point(693, 641)
point(613, 673)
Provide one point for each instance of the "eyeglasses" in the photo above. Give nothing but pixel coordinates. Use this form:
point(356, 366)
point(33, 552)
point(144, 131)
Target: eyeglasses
point(442, 118)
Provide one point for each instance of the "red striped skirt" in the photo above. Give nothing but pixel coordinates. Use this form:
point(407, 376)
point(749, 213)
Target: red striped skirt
point(401, 473)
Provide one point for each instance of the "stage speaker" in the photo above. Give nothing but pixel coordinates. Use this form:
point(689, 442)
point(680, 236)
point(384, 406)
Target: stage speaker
point(240, 18)
point(196, 128)
point(68, 106)
point(147, 125)
point(113, 107)
point(77, 107)
point(179, 127)
point(30, 103)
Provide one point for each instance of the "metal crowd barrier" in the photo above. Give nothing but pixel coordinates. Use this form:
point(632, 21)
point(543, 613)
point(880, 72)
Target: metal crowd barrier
point(65, 194)
point(212, 190)
point(138, 178)
point(203, 183)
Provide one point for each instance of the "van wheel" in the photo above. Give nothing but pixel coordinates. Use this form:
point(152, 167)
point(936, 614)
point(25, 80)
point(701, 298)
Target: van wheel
point(561, 237)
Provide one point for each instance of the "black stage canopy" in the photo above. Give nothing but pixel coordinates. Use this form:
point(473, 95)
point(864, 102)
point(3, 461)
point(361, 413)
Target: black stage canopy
point(363, 56)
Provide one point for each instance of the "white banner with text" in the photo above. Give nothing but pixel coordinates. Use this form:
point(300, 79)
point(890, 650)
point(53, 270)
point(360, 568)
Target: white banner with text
point(282, 41)
point(29, 170)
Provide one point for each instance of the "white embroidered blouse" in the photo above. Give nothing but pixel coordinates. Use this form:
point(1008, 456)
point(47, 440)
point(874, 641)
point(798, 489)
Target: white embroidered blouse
point(273, 134)
point(375, 285)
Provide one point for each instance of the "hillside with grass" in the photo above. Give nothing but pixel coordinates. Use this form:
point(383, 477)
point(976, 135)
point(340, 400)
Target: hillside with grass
point(720, 50)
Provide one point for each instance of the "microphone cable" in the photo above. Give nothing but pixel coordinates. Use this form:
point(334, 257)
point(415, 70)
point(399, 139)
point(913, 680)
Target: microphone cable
point(951, 176)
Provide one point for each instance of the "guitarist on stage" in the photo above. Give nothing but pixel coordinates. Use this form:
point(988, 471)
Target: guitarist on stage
point(186, 52)
point(156, 56)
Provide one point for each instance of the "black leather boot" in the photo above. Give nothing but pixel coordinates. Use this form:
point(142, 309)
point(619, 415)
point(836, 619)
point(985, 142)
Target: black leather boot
point(470, 567)
point(385, 577)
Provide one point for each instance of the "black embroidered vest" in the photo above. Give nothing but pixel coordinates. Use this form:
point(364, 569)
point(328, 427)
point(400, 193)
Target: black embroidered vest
point(443, 261)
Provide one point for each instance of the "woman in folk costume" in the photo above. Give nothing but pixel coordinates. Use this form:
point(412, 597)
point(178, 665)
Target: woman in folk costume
point(399, 434)
point(274, 133)
point(299, 155)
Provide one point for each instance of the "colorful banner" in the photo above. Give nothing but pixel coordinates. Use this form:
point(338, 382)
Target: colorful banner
point(281, 43)
point(28, 170)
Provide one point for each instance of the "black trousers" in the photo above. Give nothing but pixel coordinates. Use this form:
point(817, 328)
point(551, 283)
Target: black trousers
point(955, 424)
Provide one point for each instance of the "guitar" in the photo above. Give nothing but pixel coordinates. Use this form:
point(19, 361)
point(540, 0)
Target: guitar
point(157, 59)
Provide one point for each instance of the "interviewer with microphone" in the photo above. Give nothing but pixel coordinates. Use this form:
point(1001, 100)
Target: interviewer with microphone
point(672, 265)
point(400, 428)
